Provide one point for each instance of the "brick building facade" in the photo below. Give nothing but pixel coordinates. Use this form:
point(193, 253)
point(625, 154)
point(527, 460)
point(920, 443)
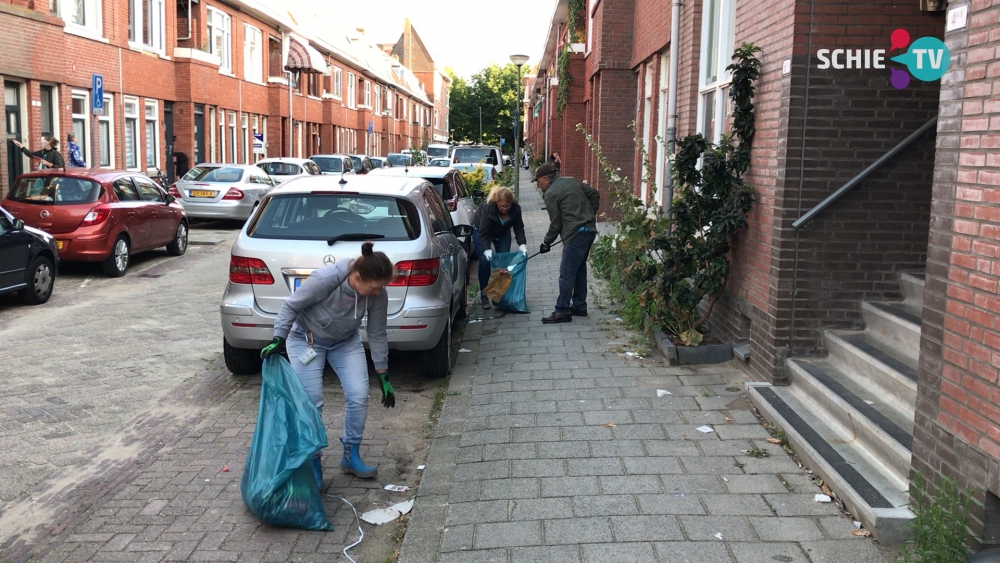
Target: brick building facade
point(932, 208)
point(199, 83)
point(414, 55)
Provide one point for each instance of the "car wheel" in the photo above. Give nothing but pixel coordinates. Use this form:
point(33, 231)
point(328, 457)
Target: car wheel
point(463, 307)
point(241, 361)
point(41, 278)
point(437, 360)
point(180, 244)
point(117, 263)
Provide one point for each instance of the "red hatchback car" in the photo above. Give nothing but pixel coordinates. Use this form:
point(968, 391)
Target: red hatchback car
point(100, 215)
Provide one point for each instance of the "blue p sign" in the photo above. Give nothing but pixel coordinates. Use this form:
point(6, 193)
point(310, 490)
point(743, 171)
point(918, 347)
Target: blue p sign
point(97, 93)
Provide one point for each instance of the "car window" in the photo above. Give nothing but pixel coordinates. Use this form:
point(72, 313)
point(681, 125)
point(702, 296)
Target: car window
point(125, 190)
point(5, 223)
point(439, 216)
point(147, 189)
point(329, 164)
point(475, 156)
point(312, 168)
point(322, 216)
point(399, 159)
point(198, 172)
point(460, 187)
point(280, 168)
point(57, 190)
point(215, 174)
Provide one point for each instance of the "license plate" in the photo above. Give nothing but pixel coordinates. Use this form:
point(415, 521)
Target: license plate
point(202, 193)
point(60, 244)
point(298, 282)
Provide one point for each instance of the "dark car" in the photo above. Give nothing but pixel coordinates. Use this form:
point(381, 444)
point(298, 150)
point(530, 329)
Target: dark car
point(28, 260)
point(100, 215)
point(362, 165)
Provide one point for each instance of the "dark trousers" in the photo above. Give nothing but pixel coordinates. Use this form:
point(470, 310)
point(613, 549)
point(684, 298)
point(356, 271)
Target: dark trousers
point(501, 244)
point(573, 273)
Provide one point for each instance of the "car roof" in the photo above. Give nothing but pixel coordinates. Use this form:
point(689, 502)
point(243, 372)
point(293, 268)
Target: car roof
point(413, 171)
point(337, 155)
point(284, 159)
point(366, 184)
point(96, 174)
point(250, 166)
point(476, 147)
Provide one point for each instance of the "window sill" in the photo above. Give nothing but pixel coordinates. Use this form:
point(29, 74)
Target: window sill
point(228, 73)
point(146, 50)
point(277, 80)
point(311, 97)
point(86, 33)
point(331, 97)
point(257, 82)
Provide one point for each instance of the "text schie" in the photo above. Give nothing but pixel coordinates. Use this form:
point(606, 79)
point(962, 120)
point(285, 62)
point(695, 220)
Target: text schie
point(851, 58)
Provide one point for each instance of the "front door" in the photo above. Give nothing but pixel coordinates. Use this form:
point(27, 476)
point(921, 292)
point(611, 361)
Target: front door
point(199, 134)
point(168, 130)
point(15, 163)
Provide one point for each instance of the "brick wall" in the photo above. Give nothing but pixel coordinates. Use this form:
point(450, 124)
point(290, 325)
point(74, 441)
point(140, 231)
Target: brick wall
point(651, 29)
point(957, 426)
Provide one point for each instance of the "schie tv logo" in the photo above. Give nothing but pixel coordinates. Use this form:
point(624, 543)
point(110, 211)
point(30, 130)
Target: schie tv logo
point(927, 58)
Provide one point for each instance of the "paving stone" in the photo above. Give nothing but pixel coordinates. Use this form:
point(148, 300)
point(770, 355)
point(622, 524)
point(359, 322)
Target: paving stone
point(596, 466)
point(569, 486)
point(671, 448)
point(652, 465)
point(509, 489)
point(483, 470)
point(754, 484)
point(712, 465)
point(692, 484)
point(600, 418)
point(476, 512)
point(538, 468)
point(573, 433)
point(797, 504)
point(617, 448)
point(631, 552)
point(692, 552)
point(645, 528)
point(568, 419)
point(478, 437)
point(730, 448)
point(542, 509)
point(604, 505)
point(631, 484)
point(496, 452)
point(544, 554)
point(573, 530)
point(508, 534)
point(704, 528)
point(843, 551)
point(837, 527)
point(736, 505)
point(787, 529)
point(457, 538)
point(478, 556)
point(768, 552)
point(674, 503)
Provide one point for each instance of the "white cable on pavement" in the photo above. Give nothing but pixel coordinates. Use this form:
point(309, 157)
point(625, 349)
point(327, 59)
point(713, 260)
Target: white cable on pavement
point(356, 519)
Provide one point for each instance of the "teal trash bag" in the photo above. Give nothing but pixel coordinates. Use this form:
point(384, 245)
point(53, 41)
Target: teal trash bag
point(515, 300)
point(278, 485)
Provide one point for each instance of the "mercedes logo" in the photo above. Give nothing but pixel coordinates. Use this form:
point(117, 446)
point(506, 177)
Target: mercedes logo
point(327, 260)
point(44, 214)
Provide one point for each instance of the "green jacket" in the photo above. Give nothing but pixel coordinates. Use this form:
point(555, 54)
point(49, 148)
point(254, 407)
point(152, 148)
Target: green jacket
point(571, 205)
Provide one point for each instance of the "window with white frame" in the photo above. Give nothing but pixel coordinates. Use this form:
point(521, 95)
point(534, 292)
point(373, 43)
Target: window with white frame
point(132, 133)
point(211, 136)
point(263, 131)
point(661, 150)
point(145, 24)
point(717, 31)
point(590, 24)
point(83, 14)
point(219, 38)
point(338, 83)
point(368, 93)
point(81, 121)
point(106, 133)
point(253, 62)
point(233, 147)
point(646, 87)
point(378, 99)
point(152, 134)
point(352, 98)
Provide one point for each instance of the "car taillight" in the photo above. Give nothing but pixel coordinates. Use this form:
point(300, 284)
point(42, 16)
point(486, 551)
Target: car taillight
point(249, 271)
point(233, 193)
point(96, 216)
point(174, 191)
point(452, 205)
point(414, 273)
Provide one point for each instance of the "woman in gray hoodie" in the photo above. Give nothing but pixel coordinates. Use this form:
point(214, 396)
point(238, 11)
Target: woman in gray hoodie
point(318, 324)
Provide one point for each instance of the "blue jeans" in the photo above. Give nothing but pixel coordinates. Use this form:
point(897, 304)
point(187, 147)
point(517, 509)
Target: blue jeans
point(501, 244)
point(347, 358)
point(573, 273)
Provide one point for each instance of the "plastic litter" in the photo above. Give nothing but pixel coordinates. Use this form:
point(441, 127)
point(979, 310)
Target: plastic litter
point(514, 299)
point(420, 468)
point(705, 429)
point(278, 484)
point(464, 350)
point(225, 469)
point(662, 393)
point(822, 498)
point(718, 536)
point(383, 515)
point(397, 488)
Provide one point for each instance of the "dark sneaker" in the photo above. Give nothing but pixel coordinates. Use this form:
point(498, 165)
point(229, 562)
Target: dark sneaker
point(578, 313)
point(557, 318)
point(486, 302)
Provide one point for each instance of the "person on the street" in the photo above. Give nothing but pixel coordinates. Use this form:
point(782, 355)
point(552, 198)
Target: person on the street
point(572, 208)
point(181, 165)
point(494, 220)
point(318, 324)
point(556, 160)
point(48, 156)
point(75, 154)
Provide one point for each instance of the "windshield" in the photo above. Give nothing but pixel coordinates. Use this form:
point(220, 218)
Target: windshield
point(329, 164)
point(440, 162)
point(57, 190)
point(474, 156)
point(399, 159)
point(437, 151)
point(487, 170)
point(376, 162)
point(323, 216)
point(280, 168)
point(214, 174)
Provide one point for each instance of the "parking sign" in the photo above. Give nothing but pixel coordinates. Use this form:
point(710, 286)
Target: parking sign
point(97, 93)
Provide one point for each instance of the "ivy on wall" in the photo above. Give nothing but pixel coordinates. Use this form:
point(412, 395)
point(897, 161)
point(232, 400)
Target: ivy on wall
point(572, 35)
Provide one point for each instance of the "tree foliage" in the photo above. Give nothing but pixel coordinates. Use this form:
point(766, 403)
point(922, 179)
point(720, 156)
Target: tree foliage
point(494, 89)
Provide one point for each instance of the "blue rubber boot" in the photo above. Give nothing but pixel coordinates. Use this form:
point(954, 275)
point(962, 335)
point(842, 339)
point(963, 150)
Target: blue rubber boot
point(351, 462)
point(317, 467)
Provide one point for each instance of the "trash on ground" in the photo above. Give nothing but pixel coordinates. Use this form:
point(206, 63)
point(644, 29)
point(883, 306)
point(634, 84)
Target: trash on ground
point(678, 495)
point(225, 469)
point(867, 402)
point(862, 533)
point(475, 321)
point(705, 429)
point(632, 355)
point(464, 350)
point(662, 393)
point(609, 425)
point(420, 468)
point(718, 536)
point(773, 441)
point(857, 525)
point(619, 319)
point(822, 498)
point(383, 515)
point(397, 488)
point(729, 419)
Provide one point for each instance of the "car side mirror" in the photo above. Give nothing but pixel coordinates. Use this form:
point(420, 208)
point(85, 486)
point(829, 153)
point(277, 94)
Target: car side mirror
point(478, 194)
point(462, 230)
point(18, 225)
point(170, 199)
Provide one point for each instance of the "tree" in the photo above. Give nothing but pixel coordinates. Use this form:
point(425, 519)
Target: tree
point(494, 90)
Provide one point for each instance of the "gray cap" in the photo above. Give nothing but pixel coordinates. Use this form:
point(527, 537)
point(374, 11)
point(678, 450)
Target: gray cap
point(542, 171)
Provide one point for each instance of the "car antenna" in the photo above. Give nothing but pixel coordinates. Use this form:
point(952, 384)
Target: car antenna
point(342, 181)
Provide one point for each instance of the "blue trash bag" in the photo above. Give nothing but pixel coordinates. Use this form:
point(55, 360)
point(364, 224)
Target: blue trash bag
point(515, 300)
point(278, 485)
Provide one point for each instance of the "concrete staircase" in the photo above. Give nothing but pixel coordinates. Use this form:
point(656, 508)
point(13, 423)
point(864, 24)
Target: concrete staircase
point(849, 416)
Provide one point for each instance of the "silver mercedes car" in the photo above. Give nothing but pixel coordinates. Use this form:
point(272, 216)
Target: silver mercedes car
point(309, 222)
point(221, 191)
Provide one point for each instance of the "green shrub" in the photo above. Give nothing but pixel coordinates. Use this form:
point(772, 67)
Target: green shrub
point(940, 523)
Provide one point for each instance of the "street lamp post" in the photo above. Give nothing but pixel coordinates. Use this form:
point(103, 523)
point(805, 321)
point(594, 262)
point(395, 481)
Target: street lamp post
point(518, 60)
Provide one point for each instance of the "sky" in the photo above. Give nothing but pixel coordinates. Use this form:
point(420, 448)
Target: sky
point(464, 35)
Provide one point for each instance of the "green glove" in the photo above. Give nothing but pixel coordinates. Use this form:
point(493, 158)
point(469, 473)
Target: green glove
point(388, 395)
point(276, 346)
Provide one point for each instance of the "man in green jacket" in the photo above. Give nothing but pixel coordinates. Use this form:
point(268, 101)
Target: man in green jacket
point(572, 208)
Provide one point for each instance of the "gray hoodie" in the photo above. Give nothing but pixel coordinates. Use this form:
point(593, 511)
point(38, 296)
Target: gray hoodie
point(326, 305)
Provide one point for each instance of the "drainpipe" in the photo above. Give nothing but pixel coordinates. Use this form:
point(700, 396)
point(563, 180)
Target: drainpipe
point(675, 27)
point(548, 116)
point(189, 24)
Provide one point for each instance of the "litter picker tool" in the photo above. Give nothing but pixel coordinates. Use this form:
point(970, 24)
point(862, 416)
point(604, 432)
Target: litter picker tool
point(500, 278)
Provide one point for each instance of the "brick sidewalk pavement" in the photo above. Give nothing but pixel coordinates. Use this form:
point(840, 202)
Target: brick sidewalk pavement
point(554, 447)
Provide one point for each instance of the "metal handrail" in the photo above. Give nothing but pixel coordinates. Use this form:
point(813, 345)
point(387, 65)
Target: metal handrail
point(812, 213)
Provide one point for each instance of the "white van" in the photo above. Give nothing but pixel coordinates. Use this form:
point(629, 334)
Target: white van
point(439, 151)
point(479, 154)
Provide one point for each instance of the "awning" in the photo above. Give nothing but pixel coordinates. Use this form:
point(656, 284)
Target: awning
point(302, 57)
